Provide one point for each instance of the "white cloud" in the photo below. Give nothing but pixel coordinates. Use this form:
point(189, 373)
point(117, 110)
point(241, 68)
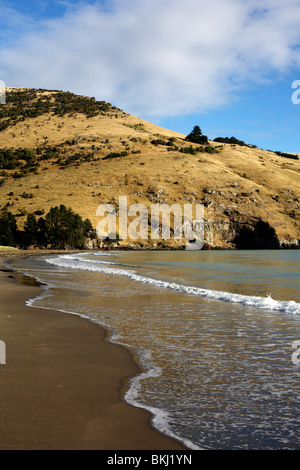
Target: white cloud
point(158, 57)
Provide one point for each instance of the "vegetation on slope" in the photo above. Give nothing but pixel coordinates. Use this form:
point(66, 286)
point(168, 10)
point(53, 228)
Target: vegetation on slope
point(31, 103)
point(63, 149)
point(196, 136)
point(61, 228)
point(25, 104)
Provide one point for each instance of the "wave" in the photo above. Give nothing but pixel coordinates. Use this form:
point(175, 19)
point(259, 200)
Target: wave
point(265, 303)
point(78, 258)
point(160, 418)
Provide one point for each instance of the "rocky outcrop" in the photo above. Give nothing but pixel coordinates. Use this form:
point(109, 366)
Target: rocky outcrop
point(242, 233)
point(92, 244)
point(238, 232)
point(255, 234)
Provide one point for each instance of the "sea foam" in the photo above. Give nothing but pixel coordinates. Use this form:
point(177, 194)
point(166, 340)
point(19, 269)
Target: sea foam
point(107, 267)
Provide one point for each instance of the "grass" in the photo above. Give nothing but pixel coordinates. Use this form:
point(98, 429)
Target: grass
point(8, 248)
point(272, 192)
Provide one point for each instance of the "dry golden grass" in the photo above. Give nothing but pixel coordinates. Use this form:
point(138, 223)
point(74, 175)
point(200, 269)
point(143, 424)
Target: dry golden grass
point(8, 248)
point(237, 179)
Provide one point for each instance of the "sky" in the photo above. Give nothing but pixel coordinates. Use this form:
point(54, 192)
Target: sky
point(231, 67)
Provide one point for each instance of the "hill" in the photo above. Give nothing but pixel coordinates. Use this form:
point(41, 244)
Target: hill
point(59, 148)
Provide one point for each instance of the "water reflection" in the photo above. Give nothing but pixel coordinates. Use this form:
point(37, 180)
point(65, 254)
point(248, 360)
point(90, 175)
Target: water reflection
point(222, 371)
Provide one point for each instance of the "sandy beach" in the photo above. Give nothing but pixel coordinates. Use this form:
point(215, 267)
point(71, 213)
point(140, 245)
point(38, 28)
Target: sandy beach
point(61, 385)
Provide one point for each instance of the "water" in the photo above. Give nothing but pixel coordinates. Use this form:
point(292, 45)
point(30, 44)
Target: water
point(211, 330)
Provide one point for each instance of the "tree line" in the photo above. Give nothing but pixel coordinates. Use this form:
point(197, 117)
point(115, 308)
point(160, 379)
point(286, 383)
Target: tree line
point(23, 104)
point(61, 228)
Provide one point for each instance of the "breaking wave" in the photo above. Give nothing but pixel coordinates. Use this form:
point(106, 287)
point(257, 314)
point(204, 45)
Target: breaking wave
point(107, 267)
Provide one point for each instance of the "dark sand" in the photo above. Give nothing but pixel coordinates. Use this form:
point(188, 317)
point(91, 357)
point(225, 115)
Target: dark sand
point(61, 386)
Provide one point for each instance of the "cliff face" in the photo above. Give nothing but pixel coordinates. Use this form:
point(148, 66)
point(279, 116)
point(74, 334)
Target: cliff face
point(246, 232)
point(57, 148)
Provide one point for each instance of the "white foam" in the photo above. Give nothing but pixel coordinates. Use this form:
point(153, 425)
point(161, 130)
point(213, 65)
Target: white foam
point(77, 258)
point(265, 303)
point(160, 418)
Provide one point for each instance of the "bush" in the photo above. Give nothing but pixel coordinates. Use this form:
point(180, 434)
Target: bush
point(193, 151)
point(229, 140)
point(287, 155)
point(115, 155)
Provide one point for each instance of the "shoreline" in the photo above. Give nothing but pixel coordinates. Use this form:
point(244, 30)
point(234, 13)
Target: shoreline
point(61, 385)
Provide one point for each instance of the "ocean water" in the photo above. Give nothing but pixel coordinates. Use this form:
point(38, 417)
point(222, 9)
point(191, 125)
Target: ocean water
point(212, 332)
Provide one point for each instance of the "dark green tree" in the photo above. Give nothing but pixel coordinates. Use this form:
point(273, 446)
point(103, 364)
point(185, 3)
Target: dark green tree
point(8, 228)
point(196, 136)
point(63, 228)
point(89, 229)
point(30, 230)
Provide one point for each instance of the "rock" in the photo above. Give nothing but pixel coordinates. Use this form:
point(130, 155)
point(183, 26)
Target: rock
point(240, 231)
point(91, 244)
point(159, 193)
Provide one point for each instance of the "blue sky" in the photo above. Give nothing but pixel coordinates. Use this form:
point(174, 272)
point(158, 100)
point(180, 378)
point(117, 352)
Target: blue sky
point(225, 65)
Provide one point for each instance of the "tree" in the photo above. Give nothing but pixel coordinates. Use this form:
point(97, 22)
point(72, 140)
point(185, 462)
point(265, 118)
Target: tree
point(196, 136)
point(60, 229)
point(89, 229)
point(8, 228)
point(30, 230)
point(63, 228)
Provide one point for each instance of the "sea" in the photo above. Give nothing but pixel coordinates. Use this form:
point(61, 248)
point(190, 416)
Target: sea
point(216, 335)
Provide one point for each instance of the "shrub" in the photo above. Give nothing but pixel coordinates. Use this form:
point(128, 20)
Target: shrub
point(115, 155)
point(191, 150)
point(229, 140)
point(287, 155)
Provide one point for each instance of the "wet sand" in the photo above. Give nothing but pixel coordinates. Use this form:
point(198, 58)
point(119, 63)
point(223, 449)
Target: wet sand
point(61, 385)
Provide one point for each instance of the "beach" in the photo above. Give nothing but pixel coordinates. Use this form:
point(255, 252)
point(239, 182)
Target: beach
point(61, 385)
point(149, 350)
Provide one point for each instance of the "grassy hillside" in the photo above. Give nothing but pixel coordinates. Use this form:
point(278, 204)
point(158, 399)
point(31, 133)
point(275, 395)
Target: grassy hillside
point(57, 148)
